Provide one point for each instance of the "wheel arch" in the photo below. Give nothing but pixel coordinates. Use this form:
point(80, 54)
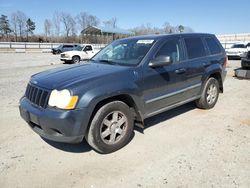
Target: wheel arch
point(128, 100)
point(217, 76)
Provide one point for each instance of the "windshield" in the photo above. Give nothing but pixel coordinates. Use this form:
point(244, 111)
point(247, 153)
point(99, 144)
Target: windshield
point(79, 48)
point(128, 52)
point(238, 46)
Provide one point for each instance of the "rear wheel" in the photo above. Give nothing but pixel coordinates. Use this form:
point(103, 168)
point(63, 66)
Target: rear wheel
point(75, 59)
point(209, 95)
point(111, 127)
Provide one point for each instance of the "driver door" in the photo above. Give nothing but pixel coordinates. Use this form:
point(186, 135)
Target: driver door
point(163, 85)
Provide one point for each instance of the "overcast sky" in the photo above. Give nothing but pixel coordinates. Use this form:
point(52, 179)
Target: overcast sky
point(213, 16)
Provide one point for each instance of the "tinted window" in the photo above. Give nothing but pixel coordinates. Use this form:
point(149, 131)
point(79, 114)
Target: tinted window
point(213, 46)
point(172, 49)
point(67, 46)
point(88, 48)
point(194, 47)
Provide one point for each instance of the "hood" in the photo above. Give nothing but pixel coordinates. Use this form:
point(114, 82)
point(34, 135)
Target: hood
point(61, 77)
point(71, 51)
point(236, 49)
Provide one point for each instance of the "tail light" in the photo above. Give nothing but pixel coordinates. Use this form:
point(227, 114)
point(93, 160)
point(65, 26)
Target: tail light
point(225, 62)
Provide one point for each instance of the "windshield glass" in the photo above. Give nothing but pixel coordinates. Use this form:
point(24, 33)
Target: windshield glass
point(128, 52)
point(238, 46)
point(79, 48)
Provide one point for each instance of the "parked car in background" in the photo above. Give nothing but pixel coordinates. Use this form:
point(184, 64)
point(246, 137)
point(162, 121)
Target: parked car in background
point(64, 48)
point(128, 81)
point(83, 52)
point(237, 50)
point(245, 61)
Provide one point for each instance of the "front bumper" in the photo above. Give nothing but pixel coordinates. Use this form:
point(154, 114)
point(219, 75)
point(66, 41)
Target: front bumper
point(235, 54)
point(66, 59)
point(66, 126)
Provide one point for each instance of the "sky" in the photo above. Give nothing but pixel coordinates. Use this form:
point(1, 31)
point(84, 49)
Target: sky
point(211, 16)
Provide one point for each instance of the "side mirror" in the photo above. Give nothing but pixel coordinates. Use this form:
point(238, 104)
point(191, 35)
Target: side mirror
point(160, 61)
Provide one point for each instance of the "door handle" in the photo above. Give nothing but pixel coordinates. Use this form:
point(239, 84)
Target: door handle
point(180, 71)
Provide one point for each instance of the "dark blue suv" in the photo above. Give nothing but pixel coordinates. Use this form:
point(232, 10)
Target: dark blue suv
point(125, 83)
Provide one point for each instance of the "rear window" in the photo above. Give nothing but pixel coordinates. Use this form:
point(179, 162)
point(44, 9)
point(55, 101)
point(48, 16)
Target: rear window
point(213, 46)
point(194, 47)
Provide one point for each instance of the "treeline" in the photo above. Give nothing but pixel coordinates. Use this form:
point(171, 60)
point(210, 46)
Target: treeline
point(63, 27)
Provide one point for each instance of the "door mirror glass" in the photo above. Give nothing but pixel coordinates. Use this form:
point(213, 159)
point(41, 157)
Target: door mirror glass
point(160, 61)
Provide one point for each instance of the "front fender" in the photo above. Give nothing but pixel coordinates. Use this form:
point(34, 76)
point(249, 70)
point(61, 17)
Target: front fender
point(93, 96)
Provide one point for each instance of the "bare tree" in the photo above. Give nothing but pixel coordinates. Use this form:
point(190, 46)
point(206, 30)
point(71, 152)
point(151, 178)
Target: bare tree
point(18, 20)
point(92, 21)
point(14, 24)
point(167, 28)
point(85, 20)
point(68, 23)
point(111, 23)
point(47, 28)
point(21, 23)
point(57, 23)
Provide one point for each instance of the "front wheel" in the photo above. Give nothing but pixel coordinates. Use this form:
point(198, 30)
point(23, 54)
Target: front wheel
point(111, 127)
point(209, 94)
point(75, 59)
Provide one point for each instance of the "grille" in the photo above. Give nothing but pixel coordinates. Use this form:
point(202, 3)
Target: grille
point(248, 55)
point(37, 95)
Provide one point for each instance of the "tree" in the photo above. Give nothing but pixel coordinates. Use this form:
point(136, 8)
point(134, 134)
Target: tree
point(68, 23)
point(14, 24)
point(4, 26)
point(181, 28)
point(30, 27)
point(57, 23)
point(21, 19)
point(85, 20)
point(47, 28)
point(111, 23)
point(168, 28)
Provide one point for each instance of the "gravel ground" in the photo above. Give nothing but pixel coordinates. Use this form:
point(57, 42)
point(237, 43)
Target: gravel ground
point(184, 147)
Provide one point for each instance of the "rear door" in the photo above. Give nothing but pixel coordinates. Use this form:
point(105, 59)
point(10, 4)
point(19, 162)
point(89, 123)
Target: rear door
point(163, 86)
point(195, 62)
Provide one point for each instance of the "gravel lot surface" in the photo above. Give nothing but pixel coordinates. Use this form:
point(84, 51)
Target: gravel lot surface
point(184, 147)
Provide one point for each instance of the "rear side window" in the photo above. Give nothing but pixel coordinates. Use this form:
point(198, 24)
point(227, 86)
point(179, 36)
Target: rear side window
point(67, 46)
point(213, 46)
point(195, 47)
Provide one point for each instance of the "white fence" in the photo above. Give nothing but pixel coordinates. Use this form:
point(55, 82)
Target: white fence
point(227, 40)
point(33, 45)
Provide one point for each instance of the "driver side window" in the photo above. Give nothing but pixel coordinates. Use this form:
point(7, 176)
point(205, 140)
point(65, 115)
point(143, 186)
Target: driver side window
point(172, 49)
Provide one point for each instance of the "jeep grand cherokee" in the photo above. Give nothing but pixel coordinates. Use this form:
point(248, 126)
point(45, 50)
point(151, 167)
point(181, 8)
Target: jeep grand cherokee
point(126, 82)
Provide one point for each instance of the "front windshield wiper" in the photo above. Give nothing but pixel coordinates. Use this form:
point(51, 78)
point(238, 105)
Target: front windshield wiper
point(107, 61)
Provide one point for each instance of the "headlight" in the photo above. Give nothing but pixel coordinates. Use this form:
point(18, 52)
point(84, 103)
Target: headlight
point(62, 99)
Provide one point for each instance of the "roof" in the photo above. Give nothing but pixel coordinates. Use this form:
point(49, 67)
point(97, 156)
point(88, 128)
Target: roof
point(106, 30)
point(160, 36)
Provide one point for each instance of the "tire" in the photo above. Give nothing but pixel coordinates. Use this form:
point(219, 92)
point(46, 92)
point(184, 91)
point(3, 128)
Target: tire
point(111, 127)
point(75, 59)
point(209, 94)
